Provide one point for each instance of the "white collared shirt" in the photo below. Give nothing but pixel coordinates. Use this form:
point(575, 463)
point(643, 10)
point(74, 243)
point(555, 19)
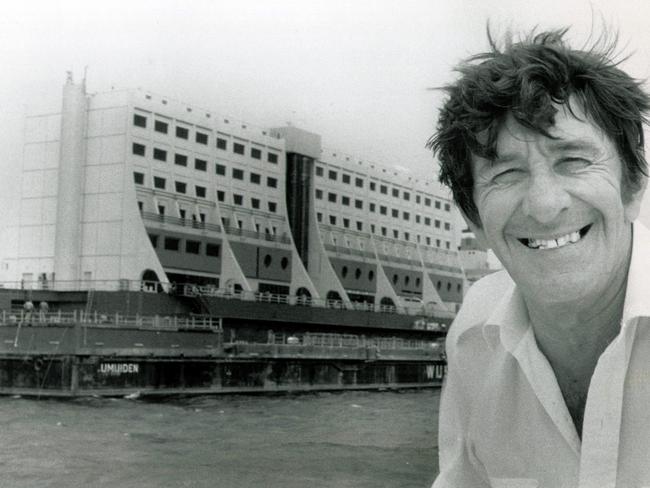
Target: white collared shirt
point(503, 420)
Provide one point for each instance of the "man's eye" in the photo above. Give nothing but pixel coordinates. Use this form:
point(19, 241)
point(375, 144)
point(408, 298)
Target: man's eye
point(573, 163)
point(508, 175)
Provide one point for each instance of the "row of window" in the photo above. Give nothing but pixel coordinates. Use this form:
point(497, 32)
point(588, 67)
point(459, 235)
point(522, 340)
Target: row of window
point(181, 187)
point(383, 210)
point(202, 165)
point(382, 230)
point(203, 138)
point(383, 189)
point(186, 245)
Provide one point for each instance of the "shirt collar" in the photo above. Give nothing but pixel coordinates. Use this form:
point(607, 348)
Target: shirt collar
point(509, 321)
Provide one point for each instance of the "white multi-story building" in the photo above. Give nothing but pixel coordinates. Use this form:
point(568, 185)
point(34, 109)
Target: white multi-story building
point(129, 186)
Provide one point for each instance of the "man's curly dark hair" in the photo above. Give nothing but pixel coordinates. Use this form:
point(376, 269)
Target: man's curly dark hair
point(527, 79)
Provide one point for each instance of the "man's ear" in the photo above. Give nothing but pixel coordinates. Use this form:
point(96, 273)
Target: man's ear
point(477, 230)
point(633, 207)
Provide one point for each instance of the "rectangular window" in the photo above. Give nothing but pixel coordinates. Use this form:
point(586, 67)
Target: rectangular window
point(373, 186)
point(345, 178)
point(407, 196)
point(345, 201)
point(383, 210)
point(319, 171)
point(372, 207)
point(427, 220)
point(437, 224)
point(384, 231)
point(180, 159)
point(238, 199)
point(447, 207)
point(140, 205)
point(417, 198)
point(427, 201)
point(221, 195)
point(395, 213)
point(417, 218)
point(271, 182)
point(372, 228)
point(159, 154)
point(395, 192)
point(332, 175)
point(256, 153)
point(154, 240)
point(172, 244)
point(138, 178)
point(396, 233)
point(200, 164)
point(200, 191)
point(428, 240)
point(407, 236)
point(447, 226)
point(160, 126)
point(180, 186)
point(358, 182)
point(358, 204)
point(332, 219)
point(346, 223)
point(161, 210)
point(255, 203)
point(448, 244)
point(331, 197)
point(212, 250)
point(319, 216)
point(159, 182)
point(139, 120)
point(222, 144)
point(272, 158)
point(193, 247)
point(201, 138)
point(238, 174)
point(138, 149)
point(319, 194)
point(273, 207)
point(220, 169)
point(182, 133)
point(437, 242)
point(255, 178)
point(359, 226)
point(238, 148)
point(383, 189)
point(437, 204)
point(406, 215)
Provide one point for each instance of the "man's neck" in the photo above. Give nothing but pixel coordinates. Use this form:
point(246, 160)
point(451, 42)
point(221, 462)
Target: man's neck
point(573, 339)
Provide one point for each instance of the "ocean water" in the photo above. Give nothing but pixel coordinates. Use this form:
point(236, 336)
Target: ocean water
point(340, 440)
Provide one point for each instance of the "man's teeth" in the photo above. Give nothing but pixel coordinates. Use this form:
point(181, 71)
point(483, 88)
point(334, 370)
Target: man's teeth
point(553, 243)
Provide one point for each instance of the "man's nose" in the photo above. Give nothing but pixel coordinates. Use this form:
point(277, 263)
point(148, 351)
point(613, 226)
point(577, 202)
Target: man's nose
point(545, 198)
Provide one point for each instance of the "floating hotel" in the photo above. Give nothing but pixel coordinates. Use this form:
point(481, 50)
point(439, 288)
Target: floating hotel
point(138, 212)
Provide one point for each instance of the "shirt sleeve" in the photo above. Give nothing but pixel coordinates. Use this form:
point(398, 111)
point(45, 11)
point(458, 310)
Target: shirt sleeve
point(458, 467)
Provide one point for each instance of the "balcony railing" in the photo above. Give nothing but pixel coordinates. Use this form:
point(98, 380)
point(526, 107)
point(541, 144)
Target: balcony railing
point(177, 221)
point(262, 236)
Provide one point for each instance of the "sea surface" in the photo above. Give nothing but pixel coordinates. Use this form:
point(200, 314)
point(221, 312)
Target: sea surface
point(340, 440)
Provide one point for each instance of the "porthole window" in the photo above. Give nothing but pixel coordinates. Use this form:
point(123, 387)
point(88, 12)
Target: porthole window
point(371, 275)
point(344, 271)
point(407, 279)
point(395, 279)
point(284, 262)
point(357, 273)
point(268, 260)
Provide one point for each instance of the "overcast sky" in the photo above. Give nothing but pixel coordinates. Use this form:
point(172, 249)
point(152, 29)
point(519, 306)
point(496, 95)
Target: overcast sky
point(357, 72)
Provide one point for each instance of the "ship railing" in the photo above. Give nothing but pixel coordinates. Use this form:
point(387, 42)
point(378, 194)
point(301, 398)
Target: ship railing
point(38, 318)
point(211, 290)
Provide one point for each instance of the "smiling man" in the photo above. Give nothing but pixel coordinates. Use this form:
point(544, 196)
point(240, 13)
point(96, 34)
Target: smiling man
point(549, 360)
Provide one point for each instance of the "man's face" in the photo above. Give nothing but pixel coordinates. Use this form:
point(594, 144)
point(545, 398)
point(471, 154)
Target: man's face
point(552, 209)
